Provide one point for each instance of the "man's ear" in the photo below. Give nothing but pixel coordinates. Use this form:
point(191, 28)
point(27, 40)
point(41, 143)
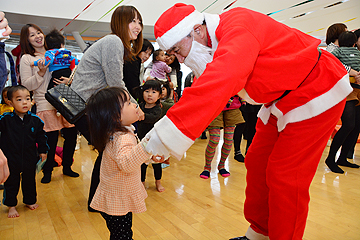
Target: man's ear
point(199, 30)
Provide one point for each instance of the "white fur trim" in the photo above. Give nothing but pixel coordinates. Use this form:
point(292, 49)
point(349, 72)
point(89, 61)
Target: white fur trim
point(174, 140)
point(264, 114)
point(244, 95)
point(252, 235)
point(212, 22)
point(312, 108)
point(180, 30)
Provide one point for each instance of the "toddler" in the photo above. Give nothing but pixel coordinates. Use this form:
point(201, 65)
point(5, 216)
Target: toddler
point(21, 130)
point(120, 192)
point(159, 67)
point(149, 98)
point(59, 58)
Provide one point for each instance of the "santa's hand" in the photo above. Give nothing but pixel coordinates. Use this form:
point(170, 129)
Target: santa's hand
point(153, 145)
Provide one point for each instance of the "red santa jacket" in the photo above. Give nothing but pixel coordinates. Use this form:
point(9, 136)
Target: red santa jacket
point(258, 58)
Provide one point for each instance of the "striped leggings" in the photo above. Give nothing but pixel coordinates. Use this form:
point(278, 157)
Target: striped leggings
point(214, 133)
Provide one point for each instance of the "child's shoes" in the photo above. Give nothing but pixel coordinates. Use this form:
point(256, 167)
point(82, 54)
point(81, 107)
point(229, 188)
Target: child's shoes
point(205, 174)
point(224, 173)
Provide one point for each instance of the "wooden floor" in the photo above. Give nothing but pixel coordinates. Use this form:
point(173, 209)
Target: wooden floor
point(190, 207)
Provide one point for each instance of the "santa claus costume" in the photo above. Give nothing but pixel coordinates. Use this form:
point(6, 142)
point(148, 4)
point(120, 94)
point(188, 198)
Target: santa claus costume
point(265, 62)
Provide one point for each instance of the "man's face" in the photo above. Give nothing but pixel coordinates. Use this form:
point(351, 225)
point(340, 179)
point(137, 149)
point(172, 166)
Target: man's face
point(181, 49)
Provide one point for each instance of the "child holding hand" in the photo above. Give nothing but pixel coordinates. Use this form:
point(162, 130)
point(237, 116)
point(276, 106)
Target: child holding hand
point(21, 130)
point(120, 192)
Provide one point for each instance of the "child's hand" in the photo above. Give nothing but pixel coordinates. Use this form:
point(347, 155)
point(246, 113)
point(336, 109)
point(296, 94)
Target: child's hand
point(141, 114)
point(32, 64)
point(158, 158)
point(43, 156)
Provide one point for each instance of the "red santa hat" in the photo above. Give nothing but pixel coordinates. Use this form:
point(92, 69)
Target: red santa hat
point(175, 24)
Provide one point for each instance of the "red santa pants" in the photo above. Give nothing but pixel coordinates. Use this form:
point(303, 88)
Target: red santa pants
point(280, 167)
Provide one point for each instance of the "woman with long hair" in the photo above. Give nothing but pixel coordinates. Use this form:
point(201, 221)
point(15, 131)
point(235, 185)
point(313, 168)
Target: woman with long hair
point(36, 79)
point(102, 66)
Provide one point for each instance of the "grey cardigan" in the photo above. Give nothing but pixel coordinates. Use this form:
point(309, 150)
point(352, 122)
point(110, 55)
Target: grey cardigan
point(101, 66)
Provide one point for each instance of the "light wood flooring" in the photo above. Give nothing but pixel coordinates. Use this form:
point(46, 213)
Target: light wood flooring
point(190, 207)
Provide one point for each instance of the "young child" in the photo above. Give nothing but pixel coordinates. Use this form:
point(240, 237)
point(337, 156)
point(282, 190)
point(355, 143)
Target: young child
point(166, 101)
point(60, 59)
point(21, 130)
point(4, 106)
point(149, 98)
point(120, 192)
point(159, 67)
point(227, 119)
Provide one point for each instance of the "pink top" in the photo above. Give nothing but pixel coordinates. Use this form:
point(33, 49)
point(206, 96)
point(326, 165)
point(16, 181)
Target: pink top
point(120, 189)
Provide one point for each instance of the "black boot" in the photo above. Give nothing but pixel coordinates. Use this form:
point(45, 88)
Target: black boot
point(68, 172)
point(346, 163)
point(333, 166)
point(46, 178)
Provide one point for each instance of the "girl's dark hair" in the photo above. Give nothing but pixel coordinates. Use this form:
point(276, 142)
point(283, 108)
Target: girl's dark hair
point(347, 39)
point(14, 89)
point(155, 54)
point(3, 94)
point(104, 113)
point(168, 89)
point(149, 84)
point(147, 45)
point(334, 31)
point(175, 64)
point(54, 39)
point(26, 47)
point(119, 25)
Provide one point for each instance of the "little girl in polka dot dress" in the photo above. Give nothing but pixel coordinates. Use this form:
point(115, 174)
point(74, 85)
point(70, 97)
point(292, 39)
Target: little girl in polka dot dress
point(120, 191)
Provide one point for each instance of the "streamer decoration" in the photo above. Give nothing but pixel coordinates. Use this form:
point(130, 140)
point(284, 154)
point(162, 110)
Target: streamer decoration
point(77, 15)
point(229, 5)
point(102, 17)
point(296, 5)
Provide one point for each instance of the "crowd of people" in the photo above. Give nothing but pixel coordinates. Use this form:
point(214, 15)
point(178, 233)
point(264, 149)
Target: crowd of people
point(124, 98)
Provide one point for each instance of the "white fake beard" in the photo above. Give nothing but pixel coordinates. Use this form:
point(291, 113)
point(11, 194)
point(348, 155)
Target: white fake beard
point(197, 58)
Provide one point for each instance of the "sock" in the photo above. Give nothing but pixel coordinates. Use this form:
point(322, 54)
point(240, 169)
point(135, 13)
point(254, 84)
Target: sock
point(226, 147)
point(214, 133)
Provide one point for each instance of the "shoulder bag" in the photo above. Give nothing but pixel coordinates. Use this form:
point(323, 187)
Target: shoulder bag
point(66, 101)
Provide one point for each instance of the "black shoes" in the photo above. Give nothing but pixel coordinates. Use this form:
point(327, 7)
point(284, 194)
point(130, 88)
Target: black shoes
point(70, 173)
point(239, 157)
point(46, 178)
point(240, 238)
point(347, 164)
point(333, 166)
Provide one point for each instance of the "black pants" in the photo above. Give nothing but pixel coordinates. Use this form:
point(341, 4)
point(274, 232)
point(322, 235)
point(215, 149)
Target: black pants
point(157, 171)
point(119, 226)
point(348, 132)
point(83, 127)
point(249, 113)
point(28, 186)
point(70, 136)
point(65, 72)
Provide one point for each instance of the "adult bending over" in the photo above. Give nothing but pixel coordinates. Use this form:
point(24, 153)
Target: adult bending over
point(102, 66)
point(247, 53)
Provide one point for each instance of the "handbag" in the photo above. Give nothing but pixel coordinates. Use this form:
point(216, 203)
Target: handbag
point(66, 101)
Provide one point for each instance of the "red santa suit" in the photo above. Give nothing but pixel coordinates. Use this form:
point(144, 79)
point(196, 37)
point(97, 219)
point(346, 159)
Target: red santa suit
point(260, 59)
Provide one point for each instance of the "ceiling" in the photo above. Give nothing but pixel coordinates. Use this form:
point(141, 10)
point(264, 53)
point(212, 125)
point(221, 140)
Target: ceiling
point(310, 16)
